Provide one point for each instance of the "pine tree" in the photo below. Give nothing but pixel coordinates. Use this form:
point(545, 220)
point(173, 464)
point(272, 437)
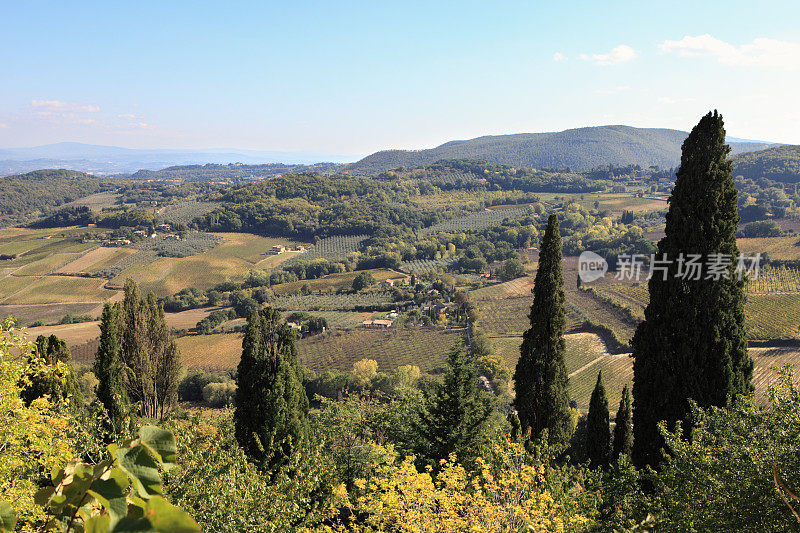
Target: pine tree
point(109, 371)
point(271, 416)
point(692, 342)
point(598, 429)
point(623, 428)
point(455, 418)
point(540, 378)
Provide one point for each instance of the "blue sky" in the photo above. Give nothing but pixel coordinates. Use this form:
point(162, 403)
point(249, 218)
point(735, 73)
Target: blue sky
point(354, 77)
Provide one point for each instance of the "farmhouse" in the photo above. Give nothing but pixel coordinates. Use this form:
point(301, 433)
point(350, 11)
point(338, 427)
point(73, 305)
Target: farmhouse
point(118, 242)
point(277, 249)
point(377, 324)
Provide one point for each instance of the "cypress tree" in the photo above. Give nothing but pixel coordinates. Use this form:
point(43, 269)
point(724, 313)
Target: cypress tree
point(623, 428)
point(540, 378)
point(271, 416)
point(598, 429)
point(692, 342)
point(109, 371)
point(455, 420)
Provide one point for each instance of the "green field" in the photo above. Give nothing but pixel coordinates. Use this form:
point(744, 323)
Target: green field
point(334, 282)
point(424, 347)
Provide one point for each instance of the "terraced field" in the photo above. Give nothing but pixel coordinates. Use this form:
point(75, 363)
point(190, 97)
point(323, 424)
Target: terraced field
point(515, 288)
point(508, 316)
point(335, 282)
point(783, 248)
point(424, 347)
point(767, 316)
point(332, 302)
point(582, 348)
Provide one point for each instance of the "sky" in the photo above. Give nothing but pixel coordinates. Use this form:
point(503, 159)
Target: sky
point(355, 77)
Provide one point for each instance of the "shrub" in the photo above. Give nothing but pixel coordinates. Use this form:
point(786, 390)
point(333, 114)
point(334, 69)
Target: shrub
point(219, 394)
point(190, 389)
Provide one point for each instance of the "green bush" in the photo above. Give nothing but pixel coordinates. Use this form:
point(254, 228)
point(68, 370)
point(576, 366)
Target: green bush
point(219, 394)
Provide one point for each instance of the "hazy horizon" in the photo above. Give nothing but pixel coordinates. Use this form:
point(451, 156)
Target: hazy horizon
point(353, 78)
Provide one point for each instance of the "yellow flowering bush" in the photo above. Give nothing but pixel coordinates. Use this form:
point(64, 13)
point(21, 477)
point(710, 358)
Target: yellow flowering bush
point(507, 495)
point(33, 439)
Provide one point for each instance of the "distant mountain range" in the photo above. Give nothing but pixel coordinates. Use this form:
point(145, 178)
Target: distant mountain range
point(104, 160)
point(579, 149)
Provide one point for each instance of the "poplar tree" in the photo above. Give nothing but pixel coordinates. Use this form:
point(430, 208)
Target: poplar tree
point(109, 370)
point(598, 429)
point(692, 342)
point(271, 416)
point(540, 378)
point(148, 353)
point(623, 427)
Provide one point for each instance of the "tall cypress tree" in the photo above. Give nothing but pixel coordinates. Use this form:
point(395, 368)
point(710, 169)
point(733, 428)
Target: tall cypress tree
point(692, 342)
point(540, 378)
point(109, 369)
point(271, 415)
point(456, 417)
point(598, 429)
point(623, 427)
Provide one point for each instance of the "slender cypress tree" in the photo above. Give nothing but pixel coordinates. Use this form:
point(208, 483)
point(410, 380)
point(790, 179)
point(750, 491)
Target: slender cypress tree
point(692, 342)
point(598, 429)
point(623, 428)
point(109, 371)
point(271, 416)
point(456, 418)
point(540, 379)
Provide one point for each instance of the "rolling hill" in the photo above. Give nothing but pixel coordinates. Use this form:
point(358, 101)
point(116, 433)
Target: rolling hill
point(578, 149)
point(779, 163)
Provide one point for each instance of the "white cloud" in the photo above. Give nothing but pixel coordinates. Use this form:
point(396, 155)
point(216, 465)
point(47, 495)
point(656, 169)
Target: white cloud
point(619, 54)
point(616, 90)
point(58, 105)
point(761, 52)
point(4, 126)
point(558, 56)
point(127, 115)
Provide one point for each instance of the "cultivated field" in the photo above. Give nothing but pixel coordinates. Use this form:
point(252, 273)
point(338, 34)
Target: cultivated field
point(424, 347)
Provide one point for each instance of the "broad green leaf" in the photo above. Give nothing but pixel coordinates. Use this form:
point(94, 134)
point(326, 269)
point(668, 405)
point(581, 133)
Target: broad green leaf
point(43, 495)
point(97, 524)
point(162, 442)
point(169, 518)
point(160, 516)
point(76, 484)
point(110, 493)
point(142, 469)
point(8, 520)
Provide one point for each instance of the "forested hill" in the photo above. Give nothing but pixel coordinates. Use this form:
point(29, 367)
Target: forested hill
point(30, 195)
point(780, 163)
point(233, 172)
point(579, 149)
